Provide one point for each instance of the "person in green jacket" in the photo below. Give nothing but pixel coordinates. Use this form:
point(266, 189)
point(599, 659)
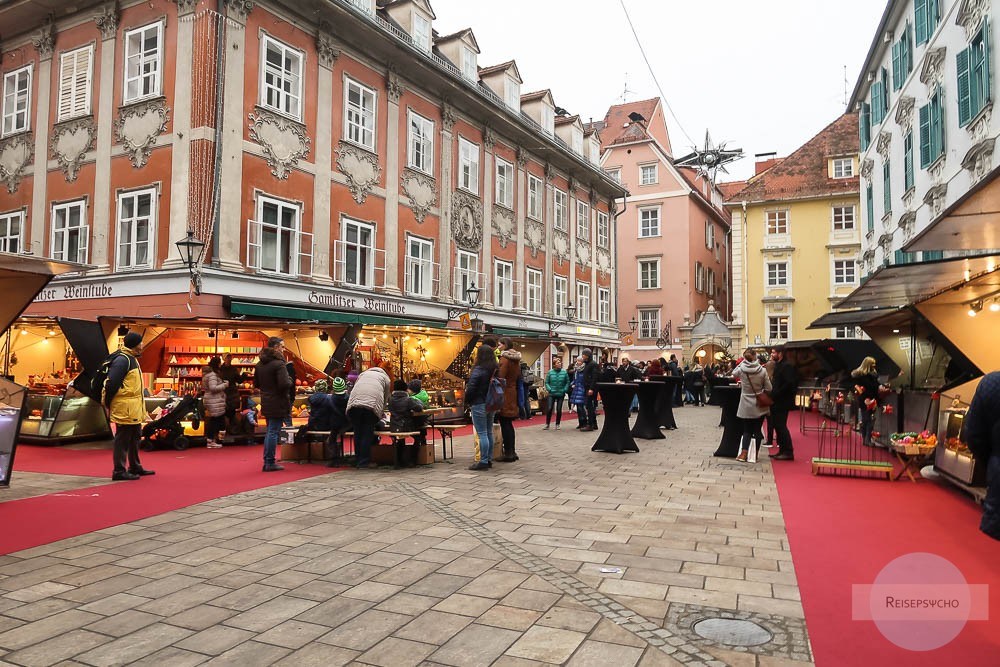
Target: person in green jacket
point(418, 392)
point(557, 384)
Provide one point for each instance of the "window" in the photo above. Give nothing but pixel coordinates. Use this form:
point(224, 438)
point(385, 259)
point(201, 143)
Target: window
point(69, 232)
point(843, 167)
point(699, 278)
point(11, 226)
point(900, 257)
point(136, 229)
point(421, 31)
point(777, 274)
point(615, 174)
point(75, 72)
point(777, 222)
point(276, 241)
point(534, 293)
point(603, 305)
point(503, 285)
point(843, 218)
point(647, 174)
point(582, 220)
point(777, 328)
point(534, 197)
point(710, 282)
point(603, 230)
point(649, 222)
point(870, 208)
point(466, 274)
point(925, 18)
point(561, 210)
point(577, 139)
point(908, 162)
point(16, 100)
point(865, 125)
point(709, 235)
point(880, 98)
point(359, 119)
point(974, 84)
point(420, 139)
point(560, 293)
point(505, 183)
point(932, 130)
point(902, 58)
point(281, 86)
point(469, 69)
point(582, 301)
point(886, 189)
point(649, 274)
point(143, 68)
point(358, 252)
point(548, 119)
point(468, 166)
point(844, 272)
point(512, 93)
point(845, 332)
point(649, 323)
point(419, 266)
point(931, 255)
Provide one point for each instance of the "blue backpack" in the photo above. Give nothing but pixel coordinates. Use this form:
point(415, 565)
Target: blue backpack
point(494, 395)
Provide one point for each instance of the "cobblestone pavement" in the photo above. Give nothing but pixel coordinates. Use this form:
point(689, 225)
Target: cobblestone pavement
point(565, 557)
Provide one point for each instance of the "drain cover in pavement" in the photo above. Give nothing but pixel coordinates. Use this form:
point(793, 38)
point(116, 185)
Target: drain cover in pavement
point(732, 632)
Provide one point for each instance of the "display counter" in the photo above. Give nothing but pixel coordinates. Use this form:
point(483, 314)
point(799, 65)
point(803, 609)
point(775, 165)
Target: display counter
point(56, 419)
point(953, 457)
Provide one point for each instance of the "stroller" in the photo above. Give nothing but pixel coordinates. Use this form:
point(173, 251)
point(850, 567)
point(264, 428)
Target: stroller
point(167, 431)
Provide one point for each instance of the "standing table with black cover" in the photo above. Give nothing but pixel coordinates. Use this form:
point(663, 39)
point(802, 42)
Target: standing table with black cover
point(647, 423)
point(665, 401)
point(615, 437)
point(728, 396)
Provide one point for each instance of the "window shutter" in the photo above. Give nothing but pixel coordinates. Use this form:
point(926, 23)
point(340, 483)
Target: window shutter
point(67, 74)
point(74, 84)
point(925, 136)
point(897, 65)
point(963, 59)
point(885, 92)
point(865, 125)
point(937, 125)
point(886, 188)
point(908, 49)
point(987, 78)
point(870, 206)
point(920, 19)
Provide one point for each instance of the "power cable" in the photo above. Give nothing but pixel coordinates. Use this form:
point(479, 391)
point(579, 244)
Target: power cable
point(653, 74)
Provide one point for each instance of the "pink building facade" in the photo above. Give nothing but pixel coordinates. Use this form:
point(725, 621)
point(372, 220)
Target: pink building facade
point(672, 237)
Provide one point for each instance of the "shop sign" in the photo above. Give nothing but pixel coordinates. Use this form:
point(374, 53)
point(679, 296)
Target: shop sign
point(588, 331)
point(366, 304)
point(465, 322)
point(68, 292)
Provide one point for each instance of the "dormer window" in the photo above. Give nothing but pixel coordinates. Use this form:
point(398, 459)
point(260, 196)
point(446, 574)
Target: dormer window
point(577, 141)
point(512, 93)
point(469, 68)
point(843, 167)
point(421, 31)
point(548, 119)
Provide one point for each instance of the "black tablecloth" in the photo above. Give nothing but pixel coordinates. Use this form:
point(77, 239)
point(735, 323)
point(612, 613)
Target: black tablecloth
point(615, 436)
point(647, 423)
point(728, 396)
point(665, 401)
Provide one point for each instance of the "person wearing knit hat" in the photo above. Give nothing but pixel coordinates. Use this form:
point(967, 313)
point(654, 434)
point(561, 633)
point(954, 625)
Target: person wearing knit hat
point(339, 386)
point(127, 409)
point(321, 386)
point(418, 392)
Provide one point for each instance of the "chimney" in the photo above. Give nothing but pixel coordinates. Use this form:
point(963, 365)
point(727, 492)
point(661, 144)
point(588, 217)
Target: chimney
point(764, 161)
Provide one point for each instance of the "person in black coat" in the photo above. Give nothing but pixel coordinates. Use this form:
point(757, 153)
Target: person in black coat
point(591, 372)
point(785, 385)
point(981, 431)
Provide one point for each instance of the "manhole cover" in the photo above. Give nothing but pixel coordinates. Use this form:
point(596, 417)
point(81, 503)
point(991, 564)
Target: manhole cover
point(732, 632)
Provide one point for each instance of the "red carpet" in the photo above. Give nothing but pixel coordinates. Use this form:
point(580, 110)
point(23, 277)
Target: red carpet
point(843, 531)
point(182, 479)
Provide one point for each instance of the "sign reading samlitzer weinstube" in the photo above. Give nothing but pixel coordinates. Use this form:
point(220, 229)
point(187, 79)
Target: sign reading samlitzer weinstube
point(366, 304)
point(65, 292)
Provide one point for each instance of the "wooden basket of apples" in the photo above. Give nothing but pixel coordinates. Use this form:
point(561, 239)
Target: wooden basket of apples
point(913, 442)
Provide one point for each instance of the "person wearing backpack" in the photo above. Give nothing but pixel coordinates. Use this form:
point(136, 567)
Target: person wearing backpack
point(477, 390)
point(123, 397)
point(510, 373)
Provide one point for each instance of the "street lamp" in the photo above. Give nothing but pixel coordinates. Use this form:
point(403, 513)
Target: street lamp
point(190, 249)
point(569, 311)
point(632, 323)
point(471, 300)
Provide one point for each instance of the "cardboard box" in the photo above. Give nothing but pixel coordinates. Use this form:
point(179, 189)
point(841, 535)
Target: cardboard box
point(316, 452)
point(382, 455)
point(425, 455)
point(294, 452)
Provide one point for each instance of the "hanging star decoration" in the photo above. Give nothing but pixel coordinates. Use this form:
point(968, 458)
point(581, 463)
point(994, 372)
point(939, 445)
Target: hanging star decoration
point(710, 159)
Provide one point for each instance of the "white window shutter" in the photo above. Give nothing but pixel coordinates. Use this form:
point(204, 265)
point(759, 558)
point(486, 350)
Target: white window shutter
point(75, 83)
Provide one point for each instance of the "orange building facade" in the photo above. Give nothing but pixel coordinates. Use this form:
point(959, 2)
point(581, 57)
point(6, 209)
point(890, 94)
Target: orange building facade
point(339, 159)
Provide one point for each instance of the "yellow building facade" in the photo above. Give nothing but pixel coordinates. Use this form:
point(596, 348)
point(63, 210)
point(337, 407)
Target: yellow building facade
point(797, 238)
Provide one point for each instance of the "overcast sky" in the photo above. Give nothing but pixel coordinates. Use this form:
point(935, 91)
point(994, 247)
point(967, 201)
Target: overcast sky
point(761, 75)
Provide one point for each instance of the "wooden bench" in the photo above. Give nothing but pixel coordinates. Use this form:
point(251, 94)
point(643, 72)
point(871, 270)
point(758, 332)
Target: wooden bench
point(398, 439)
point(877, 467)
point(447, 432)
